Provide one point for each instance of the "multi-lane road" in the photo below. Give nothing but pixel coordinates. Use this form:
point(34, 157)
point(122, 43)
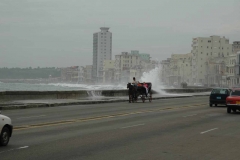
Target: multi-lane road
point(181, 128)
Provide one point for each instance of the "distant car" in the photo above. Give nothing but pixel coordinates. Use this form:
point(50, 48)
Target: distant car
point(218, 96)
point(233, 101)
point(6, 129)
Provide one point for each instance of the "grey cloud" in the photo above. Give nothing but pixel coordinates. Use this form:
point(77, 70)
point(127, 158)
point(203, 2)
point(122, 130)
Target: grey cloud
point(59, 32)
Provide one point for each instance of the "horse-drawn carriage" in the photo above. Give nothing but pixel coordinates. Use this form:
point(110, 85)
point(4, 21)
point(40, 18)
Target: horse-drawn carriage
point(142, 91)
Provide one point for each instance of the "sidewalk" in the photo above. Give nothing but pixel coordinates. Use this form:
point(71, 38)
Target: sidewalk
point(24, 104)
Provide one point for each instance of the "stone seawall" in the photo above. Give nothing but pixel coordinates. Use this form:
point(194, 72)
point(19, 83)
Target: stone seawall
point(187, 90)
point(28, 95)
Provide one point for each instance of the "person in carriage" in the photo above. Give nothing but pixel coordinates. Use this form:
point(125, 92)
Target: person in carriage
point(135, 85)
point(134, 81)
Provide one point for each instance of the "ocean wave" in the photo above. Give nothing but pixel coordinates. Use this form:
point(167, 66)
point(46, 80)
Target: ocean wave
point(153, 77)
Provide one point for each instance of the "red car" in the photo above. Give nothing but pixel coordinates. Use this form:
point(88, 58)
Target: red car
point(233, 101)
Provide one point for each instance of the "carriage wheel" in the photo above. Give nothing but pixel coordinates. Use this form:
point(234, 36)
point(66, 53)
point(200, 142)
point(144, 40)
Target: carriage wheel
point(150, 98)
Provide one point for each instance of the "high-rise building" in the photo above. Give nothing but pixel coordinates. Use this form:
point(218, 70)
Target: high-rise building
point(102, 50)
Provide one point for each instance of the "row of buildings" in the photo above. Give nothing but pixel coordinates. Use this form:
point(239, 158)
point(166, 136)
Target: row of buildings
point(213, 61)
point(105, 70)
point(121, 70)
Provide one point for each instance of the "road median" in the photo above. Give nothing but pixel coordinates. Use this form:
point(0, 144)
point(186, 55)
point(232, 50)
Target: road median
point(25, 104)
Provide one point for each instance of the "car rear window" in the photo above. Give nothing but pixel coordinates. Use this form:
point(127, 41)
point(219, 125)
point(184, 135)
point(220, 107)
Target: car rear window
point(219, 91)
point(235, 93)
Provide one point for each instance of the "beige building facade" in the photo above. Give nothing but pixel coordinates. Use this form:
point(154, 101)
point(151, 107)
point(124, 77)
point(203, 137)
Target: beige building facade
point(129, 65)
point(108, 71)
point(123, 63)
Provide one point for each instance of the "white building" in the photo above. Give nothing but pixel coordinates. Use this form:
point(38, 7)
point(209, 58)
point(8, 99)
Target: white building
point(204, 50)
point(102, 50)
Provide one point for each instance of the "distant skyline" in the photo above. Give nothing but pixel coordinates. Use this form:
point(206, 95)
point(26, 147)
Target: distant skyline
point(58, 33)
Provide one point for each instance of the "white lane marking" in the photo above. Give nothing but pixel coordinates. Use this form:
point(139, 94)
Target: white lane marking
point(14, 149)
point(190, 115)
point(7, 151)
point(169, 98)
point(133, 126)
point(23, 147)
point(209, 130)
point(32, 117)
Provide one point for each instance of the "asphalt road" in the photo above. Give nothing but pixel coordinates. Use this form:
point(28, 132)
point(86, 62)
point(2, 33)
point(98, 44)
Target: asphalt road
point(182, 128)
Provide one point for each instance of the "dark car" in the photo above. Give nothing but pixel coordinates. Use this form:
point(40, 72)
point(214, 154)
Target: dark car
point(218, 96)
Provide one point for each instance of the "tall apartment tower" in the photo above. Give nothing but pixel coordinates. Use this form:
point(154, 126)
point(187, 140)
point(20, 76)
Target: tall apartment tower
point(204, 49)
point(102, 50)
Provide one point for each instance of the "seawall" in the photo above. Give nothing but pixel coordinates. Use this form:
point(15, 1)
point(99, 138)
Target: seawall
point(31, 95)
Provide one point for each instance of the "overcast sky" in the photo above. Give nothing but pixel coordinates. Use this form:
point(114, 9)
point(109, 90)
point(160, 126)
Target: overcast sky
point(59, 33)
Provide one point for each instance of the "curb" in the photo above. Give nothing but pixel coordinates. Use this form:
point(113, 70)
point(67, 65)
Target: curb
point(26, 106)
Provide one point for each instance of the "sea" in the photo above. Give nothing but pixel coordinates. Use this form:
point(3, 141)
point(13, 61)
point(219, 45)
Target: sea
point(56, 87)
point(151, 76)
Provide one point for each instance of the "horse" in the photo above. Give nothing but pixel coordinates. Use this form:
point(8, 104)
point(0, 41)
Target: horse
point(131, 92)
